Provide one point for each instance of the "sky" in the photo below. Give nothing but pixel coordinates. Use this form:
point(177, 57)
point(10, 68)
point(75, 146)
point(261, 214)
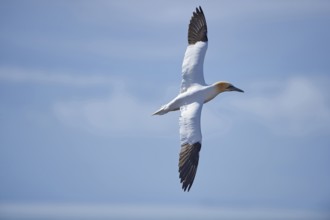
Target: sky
point(79, 81)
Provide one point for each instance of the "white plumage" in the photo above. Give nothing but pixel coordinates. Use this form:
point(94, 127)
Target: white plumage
point(190, 129)
point(193, 94)
point(192, 66)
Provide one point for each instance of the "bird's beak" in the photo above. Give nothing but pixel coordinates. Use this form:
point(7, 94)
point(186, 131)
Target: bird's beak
point(233, 88)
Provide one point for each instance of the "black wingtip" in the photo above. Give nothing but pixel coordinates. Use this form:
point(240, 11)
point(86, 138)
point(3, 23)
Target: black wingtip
point(197, 27)
point(188, 163)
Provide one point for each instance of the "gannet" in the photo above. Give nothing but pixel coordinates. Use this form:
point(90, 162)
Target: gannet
point(193, 94)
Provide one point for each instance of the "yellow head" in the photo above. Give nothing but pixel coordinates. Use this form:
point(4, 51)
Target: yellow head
point(225, 86)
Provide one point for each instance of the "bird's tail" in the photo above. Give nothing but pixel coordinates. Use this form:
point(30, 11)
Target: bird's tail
point(163, 110)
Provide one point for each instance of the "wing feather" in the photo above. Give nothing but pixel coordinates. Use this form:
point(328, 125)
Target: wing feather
point(191, 139)
point(188, 163)
point(197, 27)
point(192, 66)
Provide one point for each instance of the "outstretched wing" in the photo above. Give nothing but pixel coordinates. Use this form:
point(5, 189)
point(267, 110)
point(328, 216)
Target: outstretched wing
point(192, 66)
point(191, 142)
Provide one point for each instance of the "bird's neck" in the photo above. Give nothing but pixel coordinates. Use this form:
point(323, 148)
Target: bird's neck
point(213, 92)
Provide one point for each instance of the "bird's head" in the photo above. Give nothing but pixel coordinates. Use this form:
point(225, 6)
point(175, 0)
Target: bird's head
point(226, 87)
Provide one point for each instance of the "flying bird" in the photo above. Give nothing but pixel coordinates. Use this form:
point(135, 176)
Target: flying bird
point(193, 94)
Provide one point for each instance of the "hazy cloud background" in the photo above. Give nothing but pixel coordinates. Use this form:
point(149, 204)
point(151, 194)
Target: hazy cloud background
point(79, 81)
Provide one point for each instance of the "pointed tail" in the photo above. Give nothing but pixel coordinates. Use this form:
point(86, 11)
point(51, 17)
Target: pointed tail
point(161, 111)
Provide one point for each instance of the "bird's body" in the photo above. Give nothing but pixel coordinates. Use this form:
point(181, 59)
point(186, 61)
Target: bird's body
point(196, 93)
point(193, 94)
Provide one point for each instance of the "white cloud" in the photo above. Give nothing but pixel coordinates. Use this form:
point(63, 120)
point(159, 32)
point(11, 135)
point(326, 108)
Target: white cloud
point(101, 46)
point(152, 211)
point(296, 106)
point(54, 77)
point(121, 114)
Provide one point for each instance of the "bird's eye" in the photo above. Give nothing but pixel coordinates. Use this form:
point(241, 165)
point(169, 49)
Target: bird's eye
point(230, 87)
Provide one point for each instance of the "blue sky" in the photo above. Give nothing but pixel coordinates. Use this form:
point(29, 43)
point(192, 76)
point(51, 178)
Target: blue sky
point(80, 79)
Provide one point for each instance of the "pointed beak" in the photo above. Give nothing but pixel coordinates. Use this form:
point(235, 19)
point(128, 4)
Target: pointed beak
point(233, 88)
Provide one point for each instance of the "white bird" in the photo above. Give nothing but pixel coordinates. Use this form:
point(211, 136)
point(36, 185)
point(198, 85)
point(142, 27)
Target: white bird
point(193, 94)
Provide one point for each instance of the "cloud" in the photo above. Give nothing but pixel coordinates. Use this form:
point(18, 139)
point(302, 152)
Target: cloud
point(18, 75)
point(152, 211)
point(120, 114)
point(295, 106)
point(103, 46)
